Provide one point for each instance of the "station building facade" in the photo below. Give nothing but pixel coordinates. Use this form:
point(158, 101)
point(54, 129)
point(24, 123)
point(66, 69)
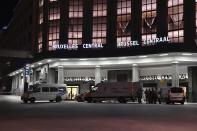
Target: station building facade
point(84, 42)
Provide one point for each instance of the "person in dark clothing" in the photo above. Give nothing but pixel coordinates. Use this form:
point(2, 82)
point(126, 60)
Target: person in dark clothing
point(154, 96)
point(139, 95)
point(146, 96)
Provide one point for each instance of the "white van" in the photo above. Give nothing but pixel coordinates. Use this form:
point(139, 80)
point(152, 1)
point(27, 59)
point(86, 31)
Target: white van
point(172, 95)
point(51, 92)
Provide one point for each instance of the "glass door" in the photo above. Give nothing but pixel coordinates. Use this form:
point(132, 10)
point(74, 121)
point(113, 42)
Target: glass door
point(73, 91)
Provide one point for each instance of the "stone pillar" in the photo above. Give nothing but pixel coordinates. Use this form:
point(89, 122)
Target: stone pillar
point(135, 74)
point(175, 75)
point(60, 75)
point(97, 74)
point(51, 76)
point(192, 84)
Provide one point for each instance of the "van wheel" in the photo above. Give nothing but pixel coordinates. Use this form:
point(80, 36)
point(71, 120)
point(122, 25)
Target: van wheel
point(32, 100)
point(25, 101)
point(50, 100)
point(182, 103)
point(122, 100)
point(58, 99)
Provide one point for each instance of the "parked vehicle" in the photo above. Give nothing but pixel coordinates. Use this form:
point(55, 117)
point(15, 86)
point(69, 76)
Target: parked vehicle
point(51, 92)
point(80, 97)
point(172, 95)
point(120, 91)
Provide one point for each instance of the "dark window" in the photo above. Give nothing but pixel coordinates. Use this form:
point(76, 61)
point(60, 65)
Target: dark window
point(122, 77)
point(150, 85)
point(45, 89)
point(53, 89)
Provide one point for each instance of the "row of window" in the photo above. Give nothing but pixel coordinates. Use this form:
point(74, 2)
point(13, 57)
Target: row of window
point(175, 21)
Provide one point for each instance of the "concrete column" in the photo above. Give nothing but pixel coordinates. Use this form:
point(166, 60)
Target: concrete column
point(97, 74)
point(135, 73)
point(175, 75)
point(51, 76)
point(60, 75)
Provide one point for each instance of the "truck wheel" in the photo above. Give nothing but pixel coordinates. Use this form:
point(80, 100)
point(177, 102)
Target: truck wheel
point(32, 100)
point(89, 99)
point(25, 101)
point(58, 99)
point(182, 103)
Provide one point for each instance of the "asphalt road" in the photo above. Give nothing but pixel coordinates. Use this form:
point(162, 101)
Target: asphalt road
point(74, 116)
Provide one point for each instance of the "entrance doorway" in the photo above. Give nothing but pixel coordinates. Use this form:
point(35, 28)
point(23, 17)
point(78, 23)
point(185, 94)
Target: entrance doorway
point(73, 91)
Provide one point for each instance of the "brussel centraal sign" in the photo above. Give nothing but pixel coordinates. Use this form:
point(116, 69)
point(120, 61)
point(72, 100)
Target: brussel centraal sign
point(146, 42)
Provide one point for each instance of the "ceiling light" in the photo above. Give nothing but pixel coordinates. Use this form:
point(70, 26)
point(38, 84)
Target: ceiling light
point(123, 58)
point(143, 56)
point(187, 54)
point(49, 60)
point(63, 59)
point(82, 59)
point(103, 58)
point(175, 62)
point(163, 55)
point(40, 63)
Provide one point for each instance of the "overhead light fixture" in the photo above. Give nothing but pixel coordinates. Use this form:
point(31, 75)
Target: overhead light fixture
point(82, 59)
point(49, 60)
point(143, 56)
point(175, 62)
point(103, 58)
point(60, 66)
point(63, 59)
point(163, 55)
point(186, 54)
point(39, 63)
point(134, 64)
point(123, 58)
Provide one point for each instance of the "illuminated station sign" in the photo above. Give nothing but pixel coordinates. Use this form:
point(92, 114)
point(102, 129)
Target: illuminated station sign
point(76, 46)
point(122, 44)
point(147, 42)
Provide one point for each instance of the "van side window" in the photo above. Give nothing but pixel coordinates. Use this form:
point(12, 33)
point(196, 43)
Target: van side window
point(45, 89)
point(53, 89)
point(36, 90)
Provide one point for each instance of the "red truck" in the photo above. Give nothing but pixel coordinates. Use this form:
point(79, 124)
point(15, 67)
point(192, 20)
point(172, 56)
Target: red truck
point(120, 91)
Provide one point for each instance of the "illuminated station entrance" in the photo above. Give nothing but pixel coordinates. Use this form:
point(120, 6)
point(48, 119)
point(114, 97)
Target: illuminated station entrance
point(153, 71)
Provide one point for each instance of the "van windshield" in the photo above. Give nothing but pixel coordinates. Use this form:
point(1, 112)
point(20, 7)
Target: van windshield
point(176, 90)
point(62, 89)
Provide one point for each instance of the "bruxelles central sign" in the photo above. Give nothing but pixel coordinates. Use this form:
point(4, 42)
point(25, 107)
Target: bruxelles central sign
point(125, 44)
point(76, 46)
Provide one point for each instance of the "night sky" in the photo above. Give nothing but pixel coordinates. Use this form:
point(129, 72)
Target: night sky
point(6, 11)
